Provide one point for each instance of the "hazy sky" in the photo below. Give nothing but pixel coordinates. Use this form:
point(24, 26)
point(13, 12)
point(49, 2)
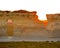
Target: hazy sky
point(42, 7)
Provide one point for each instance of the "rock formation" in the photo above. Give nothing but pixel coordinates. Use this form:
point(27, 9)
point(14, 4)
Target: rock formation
point(23, 23)
point(20, 23)
point(53, 25)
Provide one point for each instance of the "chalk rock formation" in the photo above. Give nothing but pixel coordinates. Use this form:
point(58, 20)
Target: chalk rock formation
point(21, 23)
point(53, 25)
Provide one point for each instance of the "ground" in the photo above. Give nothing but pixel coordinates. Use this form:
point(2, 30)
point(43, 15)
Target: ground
point(31, 44)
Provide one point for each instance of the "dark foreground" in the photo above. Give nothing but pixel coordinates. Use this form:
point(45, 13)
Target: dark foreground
point(30, 44)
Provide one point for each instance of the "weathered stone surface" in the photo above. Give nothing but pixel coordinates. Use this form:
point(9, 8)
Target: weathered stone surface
point(53, 25)
point(24, 23)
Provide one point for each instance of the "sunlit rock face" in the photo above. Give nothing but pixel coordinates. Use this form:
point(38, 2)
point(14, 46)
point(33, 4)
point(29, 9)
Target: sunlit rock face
point(53, 25)
point(21, 23)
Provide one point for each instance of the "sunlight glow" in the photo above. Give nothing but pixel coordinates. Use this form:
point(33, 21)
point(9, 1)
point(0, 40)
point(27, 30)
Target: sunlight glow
point(41, 16)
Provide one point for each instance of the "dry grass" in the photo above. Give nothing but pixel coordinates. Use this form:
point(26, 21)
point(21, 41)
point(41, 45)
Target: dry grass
point(26, 44)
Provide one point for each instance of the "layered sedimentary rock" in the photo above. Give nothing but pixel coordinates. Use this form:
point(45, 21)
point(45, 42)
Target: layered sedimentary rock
point(53, 25)
point(21, 23)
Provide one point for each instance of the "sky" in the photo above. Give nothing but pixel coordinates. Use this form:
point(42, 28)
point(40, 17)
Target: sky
point(42, 7)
